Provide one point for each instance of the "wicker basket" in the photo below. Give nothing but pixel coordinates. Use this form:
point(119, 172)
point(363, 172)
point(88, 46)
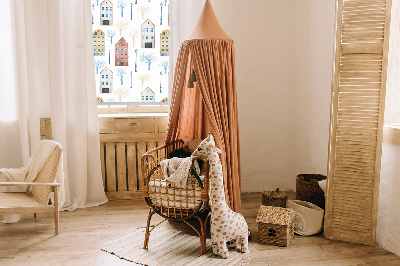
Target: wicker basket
point(275, 225)
point(274, 198)
point(308, 189)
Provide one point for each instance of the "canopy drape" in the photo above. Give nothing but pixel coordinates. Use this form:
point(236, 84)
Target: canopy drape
point(211, 106)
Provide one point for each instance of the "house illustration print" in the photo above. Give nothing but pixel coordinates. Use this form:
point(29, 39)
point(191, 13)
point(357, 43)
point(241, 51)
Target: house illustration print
point(164, 47)
point(148, 33)
point(98, 42)
point(147, 95)
point(106, 13)
point(121, 53)
point(106, 80)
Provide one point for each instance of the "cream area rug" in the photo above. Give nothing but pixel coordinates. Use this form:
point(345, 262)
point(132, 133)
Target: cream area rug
point(168, 247)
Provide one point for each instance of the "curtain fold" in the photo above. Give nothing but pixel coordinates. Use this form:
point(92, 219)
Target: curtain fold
point(211, 106)
point(55, 78)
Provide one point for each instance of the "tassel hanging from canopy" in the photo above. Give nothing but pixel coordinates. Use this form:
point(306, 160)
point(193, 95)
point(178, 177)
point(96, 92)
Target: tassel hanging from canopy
point(204, 97)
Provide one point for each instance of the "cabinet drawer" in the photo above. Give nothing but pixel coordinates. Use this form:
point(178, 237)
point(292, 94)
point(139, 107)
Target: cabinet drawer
point(162, 124)
point(134, 125)
point(106, 125)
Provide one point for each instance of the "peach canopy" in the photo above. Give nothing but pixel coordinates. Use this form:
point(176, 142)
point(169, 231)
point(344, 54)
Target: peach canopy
point(211, 105)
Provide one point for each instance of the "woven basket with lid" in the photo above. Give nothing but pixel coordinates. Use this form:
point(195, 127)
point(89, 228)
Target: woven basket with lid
point(275, 225)
point(274, 198)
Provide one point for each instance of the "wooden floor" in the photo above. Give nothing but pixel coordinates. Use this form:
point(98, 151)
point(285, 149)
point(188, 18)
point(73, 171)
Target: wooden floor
point(82, 233)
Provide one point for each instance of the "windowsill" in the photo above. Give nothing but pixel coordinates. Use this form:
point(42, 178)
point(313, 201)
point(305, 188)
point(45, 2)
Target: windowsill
point(132, 110)
point(127, 115)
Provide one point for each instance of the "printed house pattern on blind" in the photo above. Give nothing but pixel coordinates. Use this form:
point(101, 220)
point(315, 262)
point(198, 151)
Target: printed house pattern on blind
point(131, 50)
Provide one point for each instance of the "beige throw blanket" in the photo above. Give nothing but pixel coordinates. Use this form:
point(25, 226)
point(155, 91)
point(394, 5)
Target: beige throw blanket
point(176, 170)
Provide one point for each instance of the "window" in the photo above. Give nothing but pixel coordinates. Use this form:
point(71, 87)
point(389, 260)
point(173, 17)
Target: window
point(117, 54)
point(102, 83)
point(147, 98)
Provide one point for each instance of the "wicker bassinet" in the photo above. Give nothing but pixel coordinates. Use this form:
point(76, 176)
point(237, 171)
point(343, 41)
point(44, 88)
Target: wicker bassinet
point(175, 203)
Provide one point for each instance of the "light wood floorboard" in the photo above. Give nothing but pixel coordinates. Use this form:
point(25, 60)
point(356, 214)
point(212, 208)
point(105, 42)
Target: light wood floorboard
point(82, 234)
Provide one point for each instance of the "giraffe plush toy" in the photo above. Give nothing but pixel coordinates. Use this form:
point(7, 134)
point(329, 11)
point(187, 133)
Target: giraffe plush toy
point(226, 225)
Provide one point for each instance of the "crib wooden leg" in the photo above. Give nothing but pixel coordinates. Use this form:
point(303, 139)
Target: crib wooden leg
point(203, 236)
point(203, 232)
point(147, 235)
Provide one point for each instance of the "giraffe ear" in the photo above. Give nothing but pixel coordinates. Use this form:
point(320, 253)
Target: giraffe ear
point(216, 149)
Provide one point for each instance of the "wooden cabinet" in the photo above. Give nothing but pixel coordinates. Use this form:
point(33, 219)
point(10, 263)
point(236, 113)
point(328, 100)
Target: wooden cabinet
point(123, 141)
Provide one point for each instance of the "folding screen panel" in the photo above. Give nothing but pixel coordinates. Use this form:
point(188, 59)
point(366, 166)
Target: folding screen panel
point(358, 96)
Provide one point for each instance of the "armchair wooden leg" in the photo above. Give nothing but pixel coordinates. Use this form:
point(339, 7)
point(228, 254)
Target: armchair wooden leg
point(56, 212)
point(147, 235)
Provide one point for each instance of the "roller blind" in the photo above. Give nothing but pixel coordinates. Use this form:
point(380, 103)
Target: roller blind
point(358, 97)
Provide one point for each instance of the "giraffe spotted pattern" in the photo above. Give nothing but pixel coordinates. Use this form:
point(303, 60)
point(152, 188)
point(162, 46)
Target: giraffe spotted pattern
point(226, 225)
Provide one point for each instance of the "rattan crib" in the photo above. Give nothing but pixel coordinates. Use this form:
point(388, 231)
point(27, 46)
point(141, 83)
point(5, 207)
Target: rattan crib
point(170, 202)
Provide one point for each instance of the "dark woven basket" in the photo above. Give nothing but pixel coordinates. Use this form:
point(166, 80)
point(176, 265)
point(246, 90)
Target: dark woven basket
point(308, 189)
point(274, 198)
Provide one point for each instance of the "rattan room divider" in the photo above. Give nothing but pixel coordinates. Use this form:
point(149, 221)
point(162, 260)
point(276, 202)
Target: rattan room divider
point(357, 108)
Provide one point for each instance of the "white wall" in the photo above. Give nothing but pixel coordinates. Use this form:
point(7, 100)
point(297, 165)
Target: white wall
point(284, 52)
point(314, 60)
point(388, 227)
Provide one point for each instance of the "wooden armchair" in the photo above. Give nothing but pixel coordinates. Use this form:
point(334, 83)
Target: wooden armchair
point(36, 197)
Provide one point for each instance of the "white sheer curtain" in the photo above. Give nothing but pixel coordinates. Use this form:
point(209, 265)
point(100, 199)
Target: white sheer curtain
point(182, 19)
point(55, 78)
